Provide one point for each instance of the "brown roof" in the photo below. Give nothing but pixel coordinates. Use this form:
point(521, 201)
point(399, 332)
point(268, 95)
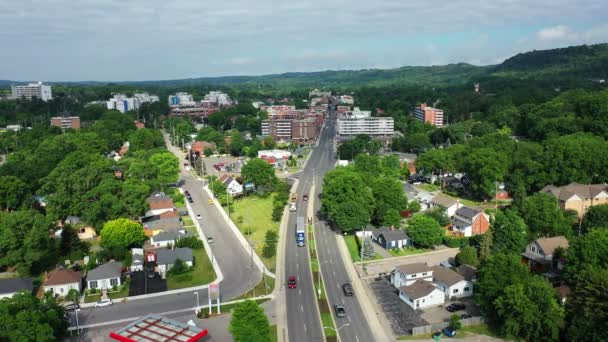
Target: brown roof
point(418, 289)
point(585, 191)
point(446, 275)
point(61, 276)
point(548, 245)
point(444, 200)
point(418, 267)
point(169, 214)
point(200, 146)
point(160, 202)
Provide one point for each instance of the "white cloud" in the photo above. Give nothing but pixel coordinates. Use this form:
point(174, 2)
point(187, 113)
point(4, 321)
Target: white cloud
point(559, 32)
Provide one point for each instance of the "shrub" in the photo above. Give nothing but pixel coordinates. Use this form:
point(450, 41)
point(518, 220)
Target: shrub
point(455, 242)
point(190, 242)
point(179, 267)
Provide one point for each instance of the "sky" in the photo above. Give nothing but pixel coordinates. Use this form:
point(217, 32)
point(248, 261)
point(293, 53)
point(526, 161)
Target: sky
point(118, 40)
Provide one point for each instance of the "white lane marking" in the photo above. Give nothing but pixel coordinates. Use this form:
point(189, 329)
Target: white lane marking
point(334, 273)
point(305, 328)
point(298, 266)
point(300, 291)
point(302, 307)
point(357, 338)
point(343, 301)
point(349, 320)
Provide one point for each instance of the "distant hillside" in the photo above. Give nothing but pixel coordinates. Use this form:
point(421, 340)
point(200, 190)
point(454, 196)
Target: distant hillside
point(585, 61)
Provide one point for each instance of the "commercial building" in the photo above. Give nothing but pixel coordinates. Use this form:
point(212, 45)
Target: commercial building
point(32, 90)
point(192, 111)
point(217, 98)
point(279, 129)
point(372, 126)
point(145, 97)
point(181, 100)
point(123, 103)
point(66, 122)
point(305, 130)
point(429, 115)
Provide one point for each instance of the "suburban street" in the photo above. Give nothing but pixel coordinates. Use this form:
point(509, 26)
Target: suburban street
point(240, 274)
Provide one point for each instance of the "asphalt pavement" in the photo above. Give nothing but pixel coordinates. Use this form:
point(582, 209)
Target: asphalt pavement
point(240, 274)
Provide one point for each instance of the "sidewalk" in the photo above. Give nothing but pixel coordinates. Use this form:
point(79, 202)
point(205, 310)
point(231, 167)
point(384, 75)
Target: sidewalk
point(370, 308)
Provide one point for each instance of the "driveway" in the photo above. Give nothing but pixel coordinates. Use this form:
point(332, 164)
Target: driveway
point(401, 317)
point(373, 268)
point(140, 284)
point(439, 314)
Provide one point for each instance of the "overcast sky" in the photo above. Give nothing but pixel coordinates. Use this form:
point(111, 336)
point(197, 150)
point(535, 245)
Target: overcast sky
point(61, 40)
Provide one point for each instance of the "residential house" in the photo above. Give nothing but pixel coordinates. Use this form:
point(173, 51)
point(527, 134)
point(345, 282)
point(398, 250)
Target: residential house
point(452, 183)
point(468, 272)
point(166, 258)
point(451, 283)
point(165, 224)
point(405, 275)
point(578, 197)
point(86, 233)
point(137, 259)
point(421, 294)
point(8, 287)
point(61, 280)
point(168, 238)
point(539, 253)
point(390, 238)
point(468, 221)
point(72, 221)
point(105, 276)
point(448, 203)
point(160, 203)
point(233, 187)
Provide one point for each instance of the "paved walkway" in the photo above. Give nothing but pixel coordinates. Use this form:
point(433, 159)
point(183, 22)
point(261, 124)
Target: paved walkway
point(381, 251)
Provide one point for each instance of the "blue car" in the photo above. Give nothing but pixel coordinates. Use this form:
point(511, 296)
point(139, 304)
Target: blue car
point(449, 332)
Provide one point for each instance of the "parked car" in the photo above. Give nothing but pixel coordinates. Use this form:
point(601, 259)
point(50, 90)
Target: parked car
point(210, 240)
point(305, 198)
point(340, 312)
point(455, 307)
point(292, 283)
point(190, 200)
point(348, 290)
point(449, 332)
point(198, 216)
point(187, 193)
point(210, 201)
point(103, 302)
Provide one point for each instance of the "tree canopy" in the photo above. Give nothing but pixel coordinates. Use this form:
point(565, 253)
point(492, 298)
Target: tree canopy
point(424, 231)
point(122, 233)
point(249, 323)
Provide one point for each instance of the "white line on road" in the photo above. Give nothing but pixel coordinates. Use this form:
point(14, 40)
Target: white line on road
point(304, 327)
point(357, 338)
point(302, 307)
point(300, 291)
point(334, 273)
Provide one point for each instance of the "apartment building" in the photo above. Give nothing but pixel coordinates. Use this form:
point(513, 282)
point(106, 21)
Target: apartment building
point(347, 99)
point(430, 115)
point(217, 98)
point(181, 100)
point(32, 90)
point(373, 126)
point(122, 103)
point(279, 129)
point(66, 122)
point(145, 97)
point(305, 130)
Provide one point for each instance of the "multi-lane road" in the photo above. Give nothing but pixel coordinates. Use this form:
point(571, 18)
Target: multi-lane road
point(302, 313)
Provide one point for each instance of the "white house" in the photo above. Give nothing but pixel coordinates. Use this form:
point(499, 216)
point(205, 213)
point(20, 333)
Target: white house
point(421, 294)
point(451, 283)
point(137, 259)
point(165, 258)
point(61, 281)
point(105, 276)
point(408, 274)
point(168, 238)
point(539, 253)
point(449, 204)
point(233, 187)
point(8, 287)
point(390, 238)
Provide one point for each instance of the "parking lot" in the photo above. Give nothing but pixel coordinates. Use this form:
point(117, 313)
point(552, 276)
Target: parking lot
point(439, 314)
point(401, 316)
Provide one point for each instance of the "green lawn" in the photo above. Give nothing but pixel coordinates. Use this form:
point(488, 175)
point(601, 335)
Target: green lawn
point(124, 292)
point(201, 274)
point(265, 286)
point(428, 187)
point(256, 214)
point(327, 322)
point(189, 225)
point(178, 197)
point(407, 251)
point(353, 247)
point(274, 334)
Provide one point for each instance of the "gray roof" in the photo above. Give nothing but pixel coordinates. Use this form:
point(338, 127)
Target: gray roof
point(443, 200)
point(137, 259)
point(549, 245)
point(446, 275)
point(72, 220)
point(112, 269)
point(585, 191)
point(459, 223)
point(171, 235)
point(168, 256)
point(390, 234)
point(14, 285)
point(418, 289)
point(414, 268)
point(467, 212)
point(164, 224)
point(467, 271)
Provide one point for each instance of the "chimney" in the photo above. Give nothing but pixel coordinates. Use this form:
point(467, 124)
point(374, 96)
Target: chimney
point(392, 227)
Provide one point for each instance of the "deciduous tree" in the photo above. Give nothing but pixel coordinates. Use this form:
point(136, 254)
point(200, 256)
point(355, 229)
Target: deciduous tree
point(249, 323)
point(122, 233)
point(509, 232)
point(424, 231)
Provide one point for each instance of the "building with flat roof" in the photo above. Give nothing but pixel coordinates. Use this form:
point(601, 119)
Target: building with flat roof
point(372, 126)
point(32, 90)
point(66, 122)
point(430, 115)
point(181, 99)
point(155, 328)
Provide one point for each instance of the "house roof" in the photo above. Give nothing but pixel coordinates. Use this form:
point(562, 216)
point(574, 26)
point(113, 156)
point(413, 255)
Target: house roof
point(444, 200)
point(467, 212)
point(548, 245)
point(160, 201)
point(137, 259)
point(16, 284)
point(169, 214)
point(585, 191)
point(168, 256)
point(418, 267)
point(171, 235)
point(164, 224)
point(459, 223)
point(446, 275)
point(61, 276)
point(390, 234)
point(418, 289)
point(467, 271)
point(111, 269)
point(72, 219)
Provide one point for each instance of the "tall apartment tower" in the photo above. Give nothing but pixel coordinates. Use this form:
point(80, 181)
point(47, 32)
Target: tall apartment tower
point(429, 115)
point(39, 90)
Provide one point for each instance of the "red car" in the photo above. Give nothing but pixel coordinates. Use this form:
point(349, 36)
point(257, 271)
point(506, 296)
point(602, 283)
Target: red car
point(291, 282)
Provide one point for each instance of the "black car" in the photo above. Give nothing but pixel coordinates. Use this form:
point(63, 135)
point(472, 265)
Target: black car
point(190, 200)
point(455, 307)
point(348, 290)
point(187, 193)
point(340, 312)
point(305, 198)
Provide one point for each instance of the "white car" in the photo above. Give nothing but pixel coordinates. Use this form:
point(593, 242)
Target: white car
point(210, 240)
point(103, 302)
point(198, 216)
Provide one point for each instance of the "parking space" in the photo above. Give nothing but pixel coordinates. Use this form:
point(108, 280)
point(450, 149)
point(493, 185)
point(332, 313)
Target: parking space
point(141, 284)
point(401, 317)
point(441, 314)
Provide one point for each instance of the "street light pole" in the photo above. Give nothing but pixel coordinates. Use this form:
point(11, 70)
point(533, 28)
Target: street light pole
point(338, 330)
point(197, 303)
